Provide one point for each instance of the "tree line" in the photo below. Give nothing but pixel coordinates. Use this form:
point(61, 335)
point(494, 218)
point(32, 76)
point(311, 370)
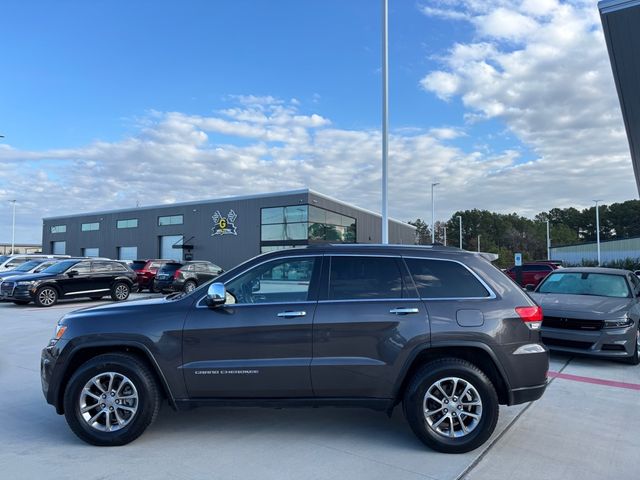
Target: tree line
point(506, 234)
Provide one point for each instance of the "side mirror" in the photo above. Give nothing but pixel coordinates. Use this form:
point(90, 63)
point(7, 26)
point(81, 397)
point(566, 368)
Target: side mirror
point(529, 287)
point(11, 265)
point(72, 273)
point(216, 294)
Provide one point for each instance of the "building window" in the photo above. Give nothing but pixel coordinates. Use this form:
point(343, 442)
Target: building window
point(58, 248)
point(59, 229)
point(130, 223)
point(127, 253)
point(170, 220)
point(91, 252)
point(90, 227)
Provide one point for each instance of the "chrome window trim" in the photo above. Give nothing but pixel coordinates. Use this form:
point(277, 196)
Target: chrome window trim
point(360, 300)
point(492, 294)
point(313, 255)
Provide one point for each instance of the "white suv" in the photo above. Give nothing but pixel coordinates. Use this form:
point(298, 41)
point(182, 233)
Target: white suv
point(9, 262)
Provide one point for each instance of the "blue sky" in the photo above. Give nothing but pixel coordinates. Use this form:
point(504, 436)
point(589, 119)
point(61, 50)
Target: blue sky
point(101, 100)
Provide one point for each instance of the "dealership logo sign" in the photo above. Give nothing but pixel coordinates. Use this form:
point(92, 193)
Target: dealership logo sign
point(224, 225)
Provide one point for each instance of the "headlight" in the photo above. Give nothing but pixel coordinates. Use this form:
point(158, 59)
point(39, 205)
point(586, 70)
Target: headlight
point(25, 284)
point(620, 323)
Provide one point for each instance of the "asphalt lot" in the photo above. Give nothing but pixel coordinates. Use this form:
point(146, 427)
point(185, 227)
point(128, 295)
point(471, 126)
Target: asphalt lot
point(586, 426)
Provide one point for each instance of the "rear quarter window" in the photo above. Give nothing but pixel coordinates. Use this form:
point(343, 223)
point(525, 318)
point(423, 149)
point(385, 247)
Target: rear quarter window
point(444, 279)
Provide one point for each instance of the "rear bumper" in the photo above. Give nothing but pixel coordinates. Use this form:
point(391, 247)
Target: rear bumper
point(526, 394)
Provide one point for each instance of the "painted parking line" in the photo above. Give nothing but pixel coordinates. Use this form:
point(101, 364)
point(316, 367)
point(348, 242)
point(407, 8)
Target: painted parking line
point(595, 381)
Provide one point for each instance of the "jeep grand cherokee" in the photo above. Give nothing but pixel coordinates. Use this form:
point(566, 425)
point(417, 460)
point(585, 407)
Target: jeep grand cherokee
point(440, 330)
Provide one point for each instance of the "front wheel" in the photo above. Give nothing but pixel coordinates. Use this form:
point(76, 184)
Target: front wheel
point(111, 400)
point(120, 291)
point(46, 296)
point(451, 405)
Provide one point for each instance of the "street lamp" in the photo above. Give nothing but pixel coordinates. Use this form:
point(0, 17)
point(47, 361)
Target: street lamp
point(548, 242)
point(13, 229)
point(598, 228)
point(479, 242)
point(385, 119)
point(433, 214)
point(460, 218)
point(444, 229)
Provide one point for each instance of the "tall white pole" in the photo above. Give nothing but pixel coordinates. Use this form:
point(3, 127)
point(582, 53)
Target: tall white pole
point(433, 214)
point(598, 230)
point(13, 229)
point(548, 243)
point(460, 218)
point(479, 242)
point(445, 234)
point(385, 120)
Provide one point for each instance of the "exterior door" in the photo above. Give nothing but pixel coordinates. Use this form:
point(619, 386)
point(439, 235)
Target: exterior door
point(257, 345)
point(369, 309)
point(166, 247)
point(81, 282)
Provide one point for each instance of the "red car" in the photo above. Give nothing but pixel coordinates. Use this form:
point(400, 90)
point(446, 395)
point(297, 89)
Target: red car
point(533, 272)
point(147, 273)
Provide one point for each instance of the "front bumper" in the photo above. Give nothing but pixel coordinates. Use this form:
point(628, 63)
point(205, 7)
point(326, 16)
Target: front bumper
point(18, 292)
point(607, 343)
point(48, 376)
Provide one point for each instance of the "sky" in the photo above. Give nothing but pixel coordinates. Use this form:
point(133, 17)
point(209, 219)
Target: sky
point(509, 105)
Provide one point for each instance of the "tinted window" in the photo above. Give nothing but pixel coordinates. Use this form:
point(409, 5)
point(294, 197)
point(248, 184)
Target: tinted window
point(25, 267)
point(364, 278)
point(138, 264)
point(101, 267)
point(536, 268)
point(119, 267)
point(82, 268)
point(283, 280)
point(443, 279)
point(586, 283)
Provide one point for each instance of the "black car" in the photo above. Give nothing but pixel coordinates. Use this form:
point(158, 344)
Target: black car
point(184, 276)
point(440, 330)
point(74, 278)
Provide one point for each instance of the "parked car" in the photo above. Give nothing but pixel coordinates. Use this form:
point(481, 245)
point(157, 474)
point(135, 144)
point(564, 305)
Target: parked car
point(438, 329)
point(185, 276)
point(32, 266)
point(591, 311)
point(533, 272)
point(147, 273)
point(10, 262)
point(73, 278)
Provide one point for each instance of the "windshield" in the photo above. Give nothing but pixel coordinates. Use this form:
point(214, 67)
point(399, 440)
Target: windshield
point(60, 266)
point(583, 283)
point(169, 267)
point(27, 266)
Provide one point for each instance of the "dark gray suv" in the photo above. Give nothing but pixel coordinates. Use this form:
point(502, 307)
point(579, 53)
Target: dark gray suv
point(440, 330)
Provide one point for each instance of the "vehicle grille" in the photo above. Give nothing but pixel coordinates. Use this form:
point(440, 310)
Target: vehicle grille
point(6, 288)
point(557, 342)
point(572, 323)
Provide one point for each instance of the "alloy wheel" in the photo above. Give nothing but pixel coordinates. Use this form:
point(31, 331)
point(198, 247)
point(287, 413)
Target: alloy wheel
point(47, 296)
point(452, 407)
point(108, 402)
point(122, 291)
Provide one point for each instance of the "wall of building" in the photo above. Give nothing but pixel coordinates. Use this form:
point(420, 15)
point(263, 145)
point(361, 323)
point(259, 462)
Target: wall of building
point(224, 250)
point(610, 251)
point(5, 248)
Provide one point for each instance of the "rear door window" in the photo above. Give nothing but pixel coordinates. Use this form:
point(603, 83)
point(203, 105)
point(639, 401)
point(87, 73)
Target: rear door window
point(444, 279)
point(365, 278)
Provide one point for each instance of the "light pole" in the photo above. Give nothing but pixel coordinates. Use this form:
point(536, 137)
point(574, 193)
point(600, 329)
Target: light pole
point(460, 218)
point(598, 228)
point(548, 242)
point(444, 228)
point(433, 214)
point(479, 242)
point(385, 120)
point(13, 229)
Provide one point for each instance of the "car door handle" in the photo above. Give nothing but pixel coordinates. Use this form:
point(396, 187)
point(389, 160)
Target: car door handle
point(404, 311)
point(289, 314)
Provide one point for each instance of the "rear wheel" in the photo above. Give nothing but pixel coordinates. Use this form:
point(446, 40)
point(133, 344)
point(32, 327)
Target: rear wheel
point(111, 400)
point(451, 405)
point(120, 291)
point(190, 286)
point(46, 296)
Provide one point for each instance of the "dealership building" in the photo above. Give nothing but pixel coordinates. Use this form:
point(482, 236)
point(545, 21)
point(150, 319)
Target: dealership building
point(226, 231)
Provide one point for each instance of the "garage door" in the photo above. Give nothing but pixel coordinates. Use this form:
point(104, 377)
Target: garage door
point(166, 247)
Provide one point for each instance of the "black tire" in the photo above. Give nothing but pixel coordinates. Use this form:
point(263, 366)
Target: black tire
point(147, 405)
point(46, 296)
point(439, 371)
point(189, 286)
point(635, 359)
point(120, 291)
point(21, 302)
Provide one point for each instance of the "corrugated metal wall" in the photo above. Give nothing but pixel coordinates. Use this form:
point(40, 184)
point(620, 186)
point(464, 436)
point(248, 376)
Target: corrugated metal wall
point(609, 251)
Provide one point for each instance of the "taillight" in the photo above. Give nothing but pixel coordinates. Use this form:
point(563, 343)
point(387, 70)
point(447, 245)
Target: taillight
point(176, 274)
point(531, 316)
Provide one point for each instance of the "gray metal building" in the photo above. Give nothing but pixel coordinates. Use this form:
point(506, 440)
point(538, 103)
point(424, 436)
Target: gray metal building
point(225, 231)
point(610, 251)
